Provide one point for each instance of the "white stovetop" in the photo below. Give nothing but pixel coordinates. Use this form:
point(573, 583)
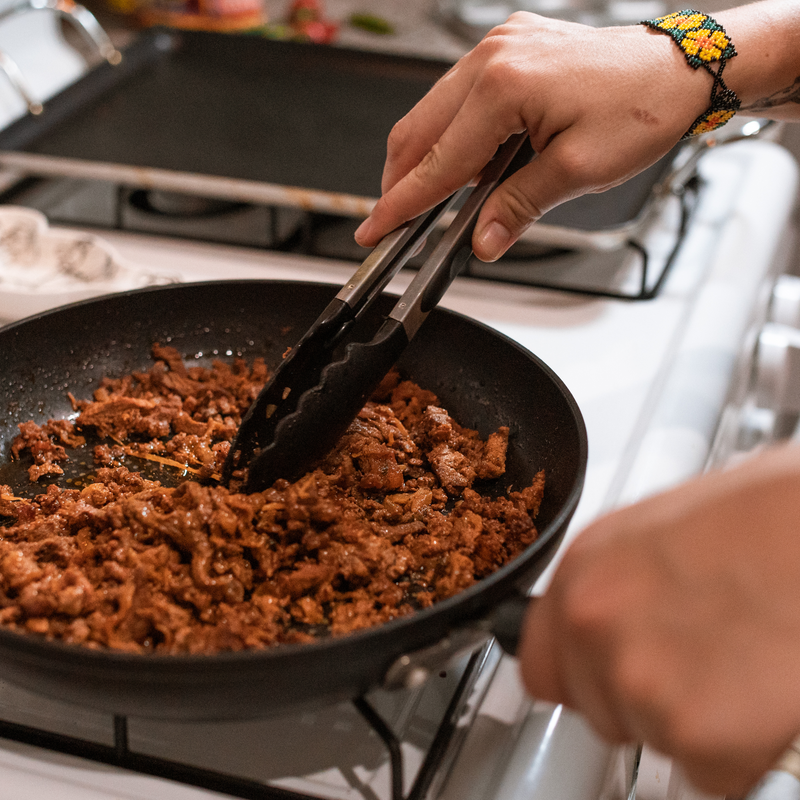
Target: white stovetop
point(649, 378)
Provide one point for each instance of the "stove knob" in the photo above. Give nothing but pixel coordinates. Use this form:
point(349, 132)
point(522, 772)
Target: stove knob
point(776, 376)
point(756, 428)
point(785, 301)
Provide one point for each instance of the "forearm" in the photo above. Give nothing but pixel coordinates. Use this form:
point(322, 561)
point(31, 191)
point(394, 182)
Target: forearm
point(766, 72)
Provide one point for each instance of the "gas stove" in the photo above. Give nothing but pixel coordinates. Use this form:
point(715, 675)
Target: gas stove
point(656, 340)
point(652, 379)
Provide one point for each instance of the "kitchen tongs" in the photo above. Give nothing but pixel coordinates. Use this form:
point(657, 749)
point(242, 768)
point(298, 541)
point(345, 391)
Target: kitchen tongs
point(312, 396)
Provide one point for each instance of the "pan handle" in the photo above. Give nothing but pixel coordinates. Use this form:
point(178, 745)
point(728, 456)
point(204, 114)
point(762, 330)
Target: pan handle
point(503, 624)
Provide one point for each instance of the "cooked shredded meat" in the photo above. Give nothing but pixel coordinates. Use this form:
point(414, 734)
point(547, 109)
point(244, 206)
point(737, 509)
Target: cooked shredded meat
point(388, 523)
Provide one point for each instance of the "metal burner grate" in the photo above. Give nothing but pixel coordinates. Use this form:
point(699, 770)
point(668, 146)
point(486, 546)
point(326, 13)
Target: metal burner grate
point(121, 754)
point(634, 269)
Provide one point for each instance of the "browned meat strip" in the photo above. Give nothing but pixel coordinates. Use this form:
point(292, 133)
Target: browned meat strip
point(389, 522)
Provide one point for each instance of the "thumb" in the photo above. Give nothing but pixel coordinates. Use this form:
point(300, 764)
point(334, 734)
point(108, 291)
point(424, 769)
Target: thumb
point(521, 200)
point(538, 655)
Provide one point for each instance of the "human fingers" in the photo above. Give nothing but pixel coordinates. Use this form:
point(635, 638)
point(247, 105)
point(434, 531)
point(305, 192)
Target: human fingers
point(461, 152)
point(518, 202)
point(679, 615)
point(418, 131)
point(566, 647)
point(573, 159)
point(574, 162)
point(548, 676)
point(413, 136)
point(538, 654)
point(734, 775)
point(450, 136)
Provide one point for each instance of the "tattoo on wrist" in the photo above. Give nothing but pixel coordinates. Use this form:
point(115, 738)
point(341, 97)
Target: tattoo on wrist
point(791, 94)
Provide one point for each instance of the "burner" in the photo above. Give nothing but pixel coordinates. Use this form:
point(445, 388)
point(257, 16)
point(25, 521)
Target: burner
point(174, 204)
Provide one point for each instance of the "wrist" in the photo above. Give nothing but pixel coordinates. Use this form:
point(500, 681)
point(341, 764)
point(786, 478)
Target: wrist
point(706, 48)
point(764, 72)
point(687, 90)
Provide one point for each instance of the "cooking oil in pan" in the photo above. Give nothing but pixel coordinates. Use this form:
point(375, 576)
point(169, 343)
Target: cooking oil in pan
point(80, 470)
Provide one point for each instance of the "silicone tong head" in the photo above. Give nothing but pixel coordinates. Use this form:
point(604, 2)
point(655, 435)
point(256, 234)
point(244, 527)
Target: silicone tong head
point(316, 393)
point(259, 436)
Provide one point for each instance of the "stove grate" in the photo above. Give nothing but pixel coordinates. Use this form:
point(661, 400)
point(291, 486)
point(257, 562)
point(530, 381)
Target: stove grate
point(631, 270)
point(612, 274)
point(120, 755)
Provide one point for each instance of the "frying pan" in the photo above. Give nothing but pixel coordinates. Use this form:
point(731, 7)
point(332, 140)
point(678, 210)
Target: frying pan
point(483, 378)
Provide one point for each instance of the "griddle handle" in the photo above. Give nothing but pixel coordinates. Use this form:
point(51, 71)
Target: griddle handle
point(505, 622)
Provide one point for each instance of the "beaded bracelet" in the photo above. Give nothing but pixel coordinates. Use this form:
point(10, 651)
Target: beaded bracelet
point(703, 42)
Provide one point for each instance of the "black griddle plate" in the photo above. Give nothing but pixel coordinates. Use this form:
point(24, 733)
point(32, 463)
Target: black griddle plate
point(249, 108)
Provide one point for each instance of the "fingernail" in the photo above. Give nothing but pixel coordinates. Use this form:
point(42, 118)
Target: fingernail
point(362, 231)
point(493, 241)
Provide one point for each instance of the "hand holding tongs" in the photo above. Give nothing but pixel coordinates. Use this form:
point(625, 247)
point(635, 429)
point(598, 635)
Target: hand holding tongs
point(311, 399)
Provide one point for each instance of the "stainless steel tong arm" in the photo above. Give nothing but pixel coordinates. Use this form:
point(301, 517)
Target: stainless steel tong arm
point(389, 256)
point(454, 248)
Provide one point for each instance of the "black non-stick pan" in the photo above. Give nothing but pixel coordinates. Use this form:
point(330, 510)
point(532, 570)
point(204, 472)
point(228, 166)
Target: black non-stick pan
point(484, 379)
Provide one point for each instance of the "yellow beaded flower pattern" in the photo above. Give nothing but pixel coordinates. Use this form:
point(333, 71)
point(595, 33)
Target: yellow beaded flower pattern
point(701, 38)
point(703, 42)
